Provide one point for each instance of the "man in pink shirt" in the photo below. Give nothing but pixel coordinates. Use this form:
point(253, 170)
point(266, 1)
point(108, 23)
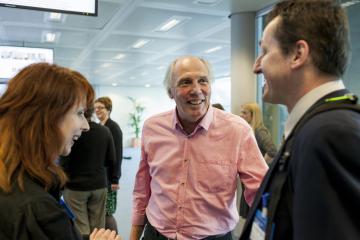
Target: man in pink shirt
point(190, 159)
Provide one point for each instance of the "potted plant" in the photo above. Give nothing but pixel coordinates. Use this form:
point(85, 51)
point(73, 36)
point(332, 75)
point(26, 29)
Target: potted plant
point(135, 118)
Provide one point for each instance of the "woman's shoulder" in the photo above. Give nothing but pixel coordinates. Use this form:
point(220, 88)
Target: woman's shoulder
point(112, 125)
point(261, 130)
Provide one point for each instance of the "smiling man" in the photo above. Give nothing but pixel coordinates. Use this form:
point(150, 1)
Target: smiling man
point(190, 159)
point(312, 189)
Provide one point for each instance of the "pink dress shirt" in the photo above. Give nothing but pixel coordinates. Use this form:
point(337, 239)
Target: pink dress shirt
point(186, 184)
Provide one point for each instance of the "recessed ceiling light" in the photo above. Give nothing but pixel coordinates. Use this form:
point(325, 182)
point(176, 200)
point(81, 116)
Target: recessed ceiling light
point(105, 65)
point(140, 43)
point(114, 84)
point(55, 16)
point(50, 37)
point(171, 23)
point(160, 67)
point(214, 49)
point(147, 85)
point(119, 56)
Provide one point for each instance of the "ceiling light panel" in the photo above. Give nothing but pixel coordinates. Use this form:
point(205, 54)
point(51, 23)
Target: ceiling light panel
point(50, 37)
point(54, 17)
point(140, 43)
point(171, 23)
point(119, 56)
point(214, 49)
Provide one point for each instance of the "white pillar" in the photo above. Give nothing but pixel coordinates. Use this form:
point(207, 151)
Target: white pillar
point(243, 80)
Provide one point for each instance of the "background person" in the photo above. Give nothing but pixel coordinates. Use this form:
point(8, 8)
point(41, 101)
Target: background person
point(218, 105)
point(252, 114)
point(86, 189)
point(190, 159)
point(41, 115)
point(312, 188)
point(103, 108)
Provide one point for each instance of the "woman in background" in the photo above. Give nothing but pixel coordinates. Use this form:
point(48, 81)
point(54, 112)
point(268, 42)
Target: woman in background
point(252, 114)
point(41, 115)
point(103, 108)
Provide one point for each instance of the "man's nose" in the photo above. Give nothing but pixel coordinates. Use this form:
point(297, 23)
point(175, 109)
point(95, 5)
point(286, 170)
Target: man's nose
point(196, 87)
point(257, 66)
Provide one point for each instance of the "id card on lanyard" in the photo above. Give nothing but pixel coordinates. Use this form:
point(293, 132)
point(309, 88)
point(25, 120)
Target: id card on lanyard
point(258, 228)
point(68, 210)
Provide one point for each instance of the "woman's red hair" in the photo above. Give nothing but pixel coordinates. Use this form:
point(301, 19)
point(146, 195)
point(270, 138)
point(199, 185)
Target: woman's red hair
point(32, 107)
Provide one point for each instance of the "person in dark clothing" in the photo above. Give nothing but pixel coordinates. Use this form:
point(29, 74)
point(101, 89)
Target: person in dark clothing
point(311, 190)
point(85, 166)
point(218, 105)
point(41, 116)
point(103, 108)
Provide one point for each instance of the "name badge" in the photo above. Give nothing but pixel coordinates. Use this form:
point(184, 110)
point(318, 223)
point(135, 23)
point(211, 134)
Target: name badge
point(258, 227)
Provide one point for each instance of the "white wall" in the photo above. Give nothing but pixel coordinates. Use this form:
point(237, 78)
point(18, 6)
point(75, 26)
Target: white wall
point(154, 99)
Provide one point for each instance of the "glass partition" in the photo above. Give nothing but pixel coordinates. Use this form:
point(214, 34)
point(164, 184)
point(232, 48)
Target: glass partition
point(274, 115)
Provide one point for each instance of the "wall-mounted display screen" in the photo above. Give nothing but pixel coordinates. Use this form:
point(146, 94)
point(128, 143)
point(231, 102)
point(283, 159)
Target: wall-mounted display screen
point(13, 59)
point(84, 7)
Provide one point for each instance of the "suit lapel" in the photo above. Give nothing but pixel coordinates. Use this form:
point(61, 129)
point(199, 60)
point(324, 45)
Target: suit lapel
point(247, 227)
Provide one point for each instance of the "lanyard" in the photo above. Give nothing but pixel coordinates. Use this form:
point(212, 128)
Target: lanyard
point(281, 169)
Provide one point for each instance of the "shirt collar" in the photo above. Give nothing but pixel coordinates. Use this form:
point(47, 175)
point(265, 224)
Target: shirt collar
point(203, 124)
point(308, 100)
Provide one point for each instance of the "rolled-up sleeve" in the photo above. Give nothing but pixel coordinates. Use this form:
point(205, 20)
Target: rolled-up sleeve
point(142, 192)
point(251, 165)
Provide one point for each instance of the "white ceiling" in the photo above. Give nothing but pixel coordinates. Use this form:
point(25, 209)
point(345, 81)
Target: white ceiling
point(90, 44)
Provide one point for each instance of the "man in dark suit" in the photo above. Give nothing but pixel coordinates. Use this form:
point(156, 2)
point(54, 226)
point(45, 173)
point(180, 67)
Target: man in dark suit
point(312, 190)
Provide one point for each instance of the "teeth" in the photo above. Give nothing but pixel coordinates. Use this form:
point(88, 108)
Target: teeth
point(75, 138)
point(195, 102)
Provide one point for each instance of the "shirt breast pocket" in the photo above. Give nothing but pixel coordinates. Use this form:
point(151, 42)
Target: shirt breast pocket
point(213, 176)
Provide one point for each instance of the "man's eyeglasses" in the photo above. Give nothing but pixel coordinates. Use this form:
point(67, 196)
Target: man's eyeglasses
point(99, 108)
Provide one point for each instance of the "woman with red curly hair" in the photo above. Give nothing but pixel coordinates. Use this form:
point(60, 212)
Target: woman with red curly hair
point(41, 115)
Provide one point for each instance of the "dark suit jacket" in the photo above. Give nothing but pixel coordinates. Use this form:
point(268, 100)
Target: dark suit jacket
point(117, 136)
point(323, 185)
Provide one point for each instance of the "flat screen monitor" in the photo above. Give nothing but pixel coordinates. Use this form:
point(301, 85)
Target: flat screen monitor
point(13, 59)
point(83, 7)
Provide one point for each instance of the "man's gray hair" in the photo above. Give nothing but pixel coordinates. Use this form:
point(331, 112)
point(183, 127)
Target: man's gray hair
point(168, 80)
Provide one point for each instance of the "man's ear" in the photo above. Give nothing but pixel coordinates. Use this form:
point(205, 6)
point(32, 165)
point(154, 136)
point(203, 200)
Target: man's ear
point(301, 54)
point(169, 93)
